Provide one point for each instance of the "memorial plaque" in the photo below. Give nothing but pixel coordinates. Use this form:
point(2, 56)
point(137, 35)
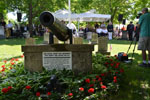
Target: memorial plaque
point(57, 60)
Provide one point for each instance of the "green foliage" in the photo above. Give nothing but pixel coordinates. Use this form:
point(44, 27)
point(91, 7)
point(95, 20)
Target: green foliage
point(91, 86)
point(112, 7)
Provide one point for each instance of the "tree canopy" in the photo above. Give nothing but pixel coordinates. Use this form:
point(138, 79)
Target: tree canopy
point(33, 8)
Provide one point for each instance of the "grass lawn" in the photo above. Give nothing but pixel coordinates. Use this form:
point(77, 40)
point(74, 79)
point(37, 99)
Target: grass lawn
point(135, 85)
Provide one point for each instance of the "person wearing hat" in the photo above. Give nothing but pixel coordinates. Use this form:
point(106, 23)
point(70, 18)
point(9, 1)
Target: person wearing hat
point(144, 38)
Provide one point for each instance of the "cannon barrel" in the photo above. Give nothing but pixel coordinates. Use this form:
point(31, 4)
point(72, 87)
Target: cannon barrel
point(60, 30)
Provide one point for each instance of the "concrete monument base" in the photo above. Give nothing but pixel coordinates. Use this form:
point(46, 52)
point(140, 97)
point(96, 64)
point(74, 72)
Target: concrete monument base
point(81, 56)
point(104, 52)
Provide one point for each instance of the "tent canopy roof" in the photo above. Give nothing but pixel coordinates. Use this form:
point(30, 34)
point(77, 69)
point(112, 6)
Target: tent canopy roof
point(89, 16)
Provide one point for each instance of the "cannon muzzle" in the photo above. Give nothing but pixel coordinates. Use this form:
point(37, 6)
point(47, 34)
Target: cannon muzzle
point(60, 30)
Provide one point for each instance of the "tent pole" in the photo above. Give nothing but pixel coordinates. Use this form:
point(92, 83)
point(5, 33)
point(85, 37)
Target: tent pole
point(69, 3)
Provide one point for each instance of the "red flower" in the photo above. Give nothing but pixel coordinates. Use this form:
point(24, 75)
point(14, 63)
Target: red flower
point(121, 70)
point(91, 90)
point(115, 81)
point(3, 66)
point(70, 94)
point(81, 89)
point(116, 66)
point(103, 87)
point(49, 93)
point(12, 59)
point(12, 63)
point(91, 85)
point(87, 80)
point(112, 64)
point(116, 72)
point(9, 88)
point(99, 79)
point(16, 59)
point(94, 80)
point(118, 63)
point(115, 77)
point(38, 94)
point(5, 61)
point(3, 69)
point(22, 56)
point(28, 87)
point(101, 83)
point(106, 63)
point(10, 67)
point(102, 74)
point(4, 90)
point(110, 59)
point(97, 76)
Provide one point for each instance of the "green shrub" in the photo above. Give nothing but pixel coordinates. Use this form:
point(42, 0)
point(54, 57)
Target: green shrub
point(17, 83)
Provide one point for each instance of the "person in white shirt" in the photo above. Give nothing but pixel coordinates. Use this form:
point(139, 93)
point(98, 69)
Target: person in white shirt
point(73, 28)
point(102, 31)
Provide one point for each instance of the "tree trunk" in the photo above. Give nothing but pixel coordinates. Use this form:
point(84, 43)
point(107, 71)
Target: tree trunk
point(30, 19)
point(113, 14)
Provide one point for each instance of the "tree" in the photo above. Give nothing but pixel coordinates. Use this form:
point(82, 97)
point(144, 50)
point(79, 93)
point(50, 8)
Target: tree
point(2, 9)
point(33, 8)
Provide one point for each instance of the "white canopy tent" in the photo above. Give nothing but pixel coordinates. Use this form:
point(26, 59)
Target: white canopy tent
point(89, 16)
point(63, 14)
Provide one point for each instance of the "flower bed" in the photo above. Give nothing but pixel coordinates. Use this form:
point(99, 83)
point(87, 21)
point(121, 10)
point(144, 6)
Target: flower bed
point(103, 80)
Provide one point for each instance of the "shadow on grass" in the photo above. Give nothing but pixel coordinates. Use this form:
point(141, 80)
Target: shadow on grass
point(115, 41)
point(135, 83)
point(19, 41)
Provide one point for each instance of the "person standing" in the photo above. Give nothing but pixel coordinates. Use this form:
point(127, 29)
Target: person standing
point(73, 28)
point(130, 29)
point(144, 38)
point(3, 23)
point(96, 25)
point(110, 30)
point(10, 26)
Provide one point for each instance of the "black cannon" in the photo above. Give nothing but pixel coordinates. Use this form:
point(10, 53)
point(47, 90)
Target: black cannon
point(61, 31)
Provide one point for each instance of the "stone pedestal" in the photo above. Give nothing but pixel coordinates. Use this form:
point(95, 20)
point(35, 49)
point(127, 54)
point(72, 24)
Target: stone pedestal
point(56, 41)
point(81, 56)
point(2, 31)
point(78, 40)
point(124, 35)
point(30, 41)
point(103, 45)
point(89, 35)
point(94, 38)
point(46, 39)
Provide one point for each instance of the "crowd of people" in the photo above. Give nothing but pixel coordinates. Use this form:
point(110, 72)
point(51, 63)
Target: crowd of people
point(20, 30)
point(100, 28)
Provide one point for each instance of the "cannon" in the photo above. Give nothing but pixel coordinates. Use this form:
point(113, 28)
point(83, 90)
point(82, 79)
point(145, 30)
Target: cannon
point(61, 31)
